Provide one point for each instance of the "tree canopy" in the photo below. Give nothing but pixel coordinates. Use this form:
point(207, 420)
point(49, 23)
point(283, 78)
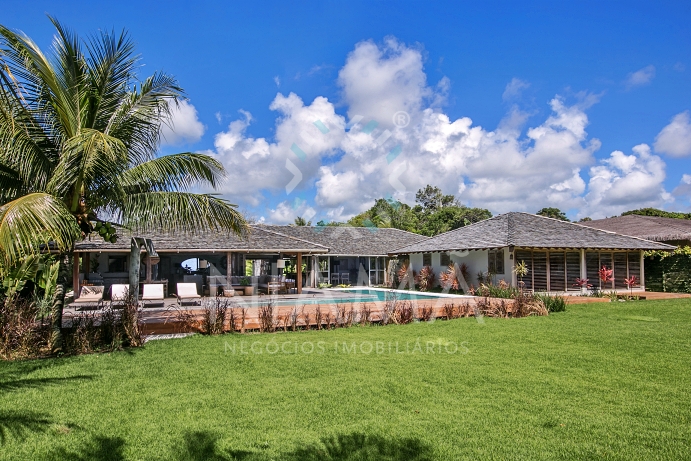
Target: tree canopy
point(660, 213)
point(555, 213)
point(79, 137)
point(434, 213)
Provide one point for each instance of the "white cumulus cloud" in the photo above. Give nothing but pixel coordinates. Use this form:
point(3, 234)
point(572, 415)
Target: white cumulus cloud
point(675, 139)
point(184, 125)
point(626, 181)
point(551, 163)
point(641, 77)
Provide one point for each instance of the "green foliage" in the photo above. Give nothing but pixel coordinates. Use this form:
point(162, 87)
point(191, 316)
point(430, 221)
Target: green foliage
point(300, 221)
point(15, 278)
point(657, 212)
point(435, 214)
point(80, 130)
point(552, 303)
point(668, 271)
point(555, 213)
point(521, 269)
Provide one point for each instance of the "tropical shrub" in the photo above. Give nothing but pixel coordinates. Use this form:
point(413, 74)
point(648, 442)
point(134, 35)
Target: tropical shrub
point(425, 279)
point(552, 303)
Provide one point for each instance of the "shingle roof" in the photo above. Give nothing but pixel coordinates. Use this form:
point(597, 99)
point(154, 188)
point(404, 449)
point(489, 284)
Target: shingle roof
point(648, 227)
point(345, 240)
point(329, 239)
point(259, 239)
point(528, 231)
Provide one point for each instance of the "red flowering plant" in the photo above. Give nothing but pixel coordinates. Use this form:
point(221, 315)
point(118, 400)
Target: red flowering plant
point(606, 275)
point(630, 282)
point(582, 283)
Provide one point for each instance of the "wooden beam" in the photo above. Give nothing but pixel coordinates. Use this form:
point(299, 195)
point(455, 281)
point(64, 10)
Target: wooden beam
point(298, 281)
point(135, 254)
point(148, 268)
point(75, 275)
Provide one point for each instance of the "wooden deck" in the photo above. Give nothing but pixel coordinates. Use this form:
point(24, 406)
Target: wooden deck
point(171, 318)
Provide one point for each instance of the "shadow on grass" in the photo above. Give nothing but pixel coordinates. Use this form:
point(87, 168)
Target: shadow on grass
point(198, 446)
point(15, 384)
point(98, 449)
point(18, 425)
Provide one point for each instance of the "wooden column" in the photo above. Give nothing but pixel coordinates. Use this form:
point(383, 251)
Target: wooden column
point(229, 268)
point(135, 254)
point(584, 270)
point(75, 275)
point(148, 268)
point(298, 281)
point(642, 282)
point(86, 263)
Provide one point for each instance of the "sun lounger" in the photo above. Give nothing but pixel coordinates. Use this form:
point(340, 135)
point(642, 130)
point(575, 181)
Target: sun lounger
point(118, 294)
point(89, 296)
point(153, 293)
point(187, 292)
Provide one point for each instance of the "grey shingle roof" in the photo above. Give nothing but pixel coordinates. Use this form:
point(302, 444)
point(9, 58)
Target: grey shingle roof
point(258, 240)
point(648, 227)
point(344, 240)
point(329, 239)
point(528, 231)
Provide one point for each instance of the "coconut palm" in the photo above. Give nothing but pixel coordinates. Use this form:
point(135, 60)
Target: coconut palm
point(79, 136)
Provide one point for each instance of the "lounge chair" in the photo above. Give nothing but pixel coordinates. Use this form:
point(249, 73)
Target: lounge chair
point(118, 294)
point(153, 292)
point(89, 296)
point(187, 291)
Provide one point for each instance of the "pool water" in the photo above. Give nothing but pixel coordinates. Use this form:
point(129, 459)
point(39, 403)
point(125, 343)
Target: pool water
point(383, 295)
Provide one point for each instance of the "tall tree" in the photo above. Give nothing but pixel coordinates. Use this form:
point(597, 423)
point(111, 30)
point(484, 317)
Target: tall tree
point(431, 199)
point(300, 221)
point(555, 213)
point(79, 136)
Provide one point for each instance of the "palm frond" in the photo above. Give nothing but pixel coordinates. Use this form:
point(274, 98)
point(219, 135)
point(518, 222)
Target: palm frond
point(32, 222)
point(181, 211)
point(176, 172)
point(11, 185)
point(90, 160)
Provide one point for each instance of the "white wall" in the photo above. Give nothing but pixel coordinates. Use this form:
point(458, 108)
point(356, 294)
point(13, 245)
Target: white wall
point(475, 260)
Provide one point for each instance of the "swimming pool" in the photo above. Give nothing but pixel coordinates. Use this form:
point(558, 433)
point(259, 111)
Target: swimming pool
point(347, 296)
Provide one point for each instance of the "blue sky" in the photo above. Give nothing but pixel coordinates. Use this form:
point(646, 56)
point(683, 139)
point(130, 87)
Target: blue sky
point(513, 106)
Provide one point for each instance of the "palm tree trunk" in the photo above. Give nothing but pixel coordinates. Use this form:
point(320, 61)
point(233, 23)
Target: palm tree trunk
point(56, 340)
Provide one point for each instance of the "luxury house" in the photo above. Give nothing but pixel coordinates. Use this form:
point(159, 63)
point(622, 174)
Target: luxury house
point(335, 255)
point(555, 252)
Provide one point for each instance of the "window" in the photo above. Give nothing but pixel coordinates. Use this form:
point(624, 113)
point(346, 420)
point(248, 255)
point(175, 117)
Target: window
point(427, 259)
point(117, 263)
point(495, 261)
point(445, 259)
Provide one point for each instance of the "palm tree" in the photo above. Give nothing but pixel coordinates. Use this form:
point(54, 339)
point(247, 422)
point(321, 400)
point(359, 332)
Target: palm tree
point(79, 136)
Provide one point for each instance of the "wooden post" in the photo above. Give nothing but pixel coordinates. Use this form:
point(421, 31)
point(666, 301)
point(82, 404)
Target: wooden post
point(229, 268)
point(642, 282)
point(86, 263)
point(298, 281)
point(148, 268)
point(584, 270)
point(75, 275)
point(135, 254)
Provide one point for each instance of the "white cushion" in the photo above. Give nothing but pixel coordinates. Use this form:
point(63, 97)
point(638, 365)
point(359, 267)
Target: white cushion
point(187, 290)
point(153, 291)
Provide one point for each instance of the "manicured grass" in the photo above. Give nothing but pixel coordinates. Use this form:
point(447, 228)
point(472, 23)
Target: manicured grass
point(600, 381)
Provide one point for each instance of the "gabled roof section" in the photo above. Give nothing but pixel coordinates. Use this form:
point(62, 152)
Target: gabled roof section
point(653, 228)
point(528, 231)
point(346, 240)
point(259, 239)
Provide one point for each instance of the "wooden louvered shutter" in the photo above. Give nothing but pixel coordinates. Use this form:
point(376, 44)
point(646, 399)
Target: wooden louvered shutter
point(540, 270)
point(557, 271)
point(573, 269)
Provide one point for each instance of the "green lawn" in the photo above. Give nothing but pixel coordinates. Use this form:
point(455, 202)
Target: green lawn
point(600, 381)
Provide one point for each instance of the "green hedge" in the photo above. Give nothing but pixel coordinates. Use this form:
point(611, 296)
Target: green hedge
point(669, 272)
